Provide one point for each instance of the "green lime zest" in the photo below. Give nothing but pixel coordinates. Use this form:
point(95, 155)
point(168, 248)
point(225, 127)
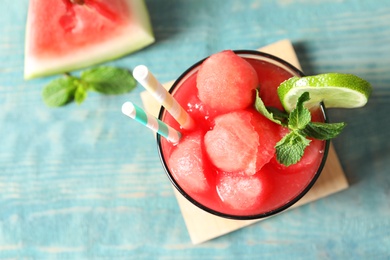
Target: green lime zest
point(333, 89)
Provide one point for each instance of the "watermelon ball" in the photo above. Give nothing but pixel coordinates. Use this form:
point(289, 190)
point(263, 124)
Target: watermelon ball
point(233, 143)
point(186, 164)
point(239, 192)
point(242, 141)
point(226, 82)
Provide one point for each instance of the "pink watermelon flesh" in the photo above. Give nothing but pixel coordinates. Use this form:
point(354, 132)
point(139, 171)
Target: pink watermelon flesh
point(70, 31)
point(225, 82)
point(241, 141)
point(269, 135)
point(233, 143)
point(62, 36)
point(186, 163)
point(239, 192)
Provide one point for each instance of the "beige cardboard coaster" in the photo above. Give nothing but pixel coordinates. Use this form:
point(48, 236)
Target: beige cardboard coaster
point(203, 226)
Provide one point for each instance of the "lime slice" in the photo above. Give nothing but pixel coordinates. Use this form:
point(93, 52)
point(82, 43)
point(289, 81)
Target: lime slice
point(334, 89)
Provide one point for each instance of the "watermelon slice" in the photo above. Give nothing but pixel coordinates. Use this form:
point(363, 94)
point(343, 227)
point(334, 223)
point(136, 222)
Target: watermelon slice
point(66, 35)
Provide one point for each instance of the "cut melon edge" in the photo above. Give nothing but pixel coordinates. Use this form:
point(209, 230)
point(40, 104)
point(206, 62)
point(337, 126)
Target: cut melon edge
point(134, 37)
point(104, 52)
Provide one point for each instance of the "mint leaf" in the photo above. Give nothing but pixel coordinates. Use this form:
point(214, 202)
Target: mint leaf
point(300, 116)
point(109, 80)
point(290, 149)
point(278, 114)
point(323, 131)
point(80, 94)
point(59, 91)
point(272, 114)
point(106, 80)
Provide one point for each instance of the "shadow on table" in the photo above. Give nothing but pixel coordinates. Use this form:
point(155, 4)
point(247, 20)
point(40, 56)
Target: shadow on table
point(363, 147)
point(301, 49)
point(166, 18)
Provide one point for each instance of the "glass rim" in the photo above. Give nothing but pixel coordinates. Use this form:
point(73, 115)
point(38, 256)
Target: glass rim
point(269, 213)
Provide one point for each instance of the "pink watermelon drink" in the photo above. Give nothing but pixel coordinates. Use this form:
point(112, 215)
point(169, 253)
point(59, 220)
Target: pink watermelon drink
point(226, 164)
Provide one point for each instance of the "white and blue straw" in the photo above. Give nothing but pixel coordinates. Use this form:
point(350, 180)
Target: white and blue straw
point(153, 123)
point(142, 74)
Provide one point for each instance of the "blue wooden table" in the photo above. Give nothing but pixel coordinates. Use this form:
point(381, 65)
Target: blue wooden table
point(85, 182)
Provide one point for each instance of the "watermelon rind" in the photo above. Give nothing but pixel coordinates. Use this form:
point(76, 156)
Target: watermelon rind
point(133, 38)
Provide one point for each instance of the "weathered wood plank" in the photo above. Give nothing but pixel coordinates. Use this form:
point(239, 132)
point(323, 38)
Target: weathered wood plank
point(85, 182)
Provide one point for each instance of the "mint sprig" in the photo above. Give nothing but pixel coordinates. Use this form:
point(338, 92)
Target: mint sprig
point(323, 131)
point(300, 116)
point(273, 114)
point(60, 91)
point(290, 149)
point(105, 80)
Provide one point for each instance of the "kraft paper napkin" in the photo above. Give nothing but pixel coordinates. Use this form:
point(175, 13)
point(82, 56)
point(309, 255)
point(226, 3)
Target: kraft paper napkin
point(203, 226)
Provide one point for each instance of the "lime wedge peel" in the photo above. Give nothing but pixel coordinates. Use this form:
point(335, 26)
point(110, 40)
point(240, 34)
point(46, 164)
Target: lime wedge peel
point(335, 90)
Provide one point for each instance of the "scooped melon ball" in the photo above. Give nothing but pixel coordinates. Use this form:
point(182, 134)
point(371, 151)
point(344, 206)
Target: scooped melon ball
point(186, 164)
point(241, 141)
point(232, 145)
point(226, 82)
point(240, 192)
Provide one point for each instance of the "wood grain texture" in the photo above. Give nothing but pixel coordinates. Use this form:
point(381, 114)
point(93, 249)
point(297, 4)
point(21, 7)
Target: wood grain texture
point(85, 182)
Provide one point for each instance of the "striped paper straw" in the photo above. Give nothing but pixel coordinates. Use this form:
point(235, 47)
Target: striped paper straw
point(151, 122)
point(142, 74)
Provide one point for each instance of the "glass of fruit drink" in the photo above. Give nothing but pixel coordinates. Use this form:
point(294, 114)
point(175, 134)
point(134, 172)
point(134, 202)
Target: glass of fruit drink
point(226, 164)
